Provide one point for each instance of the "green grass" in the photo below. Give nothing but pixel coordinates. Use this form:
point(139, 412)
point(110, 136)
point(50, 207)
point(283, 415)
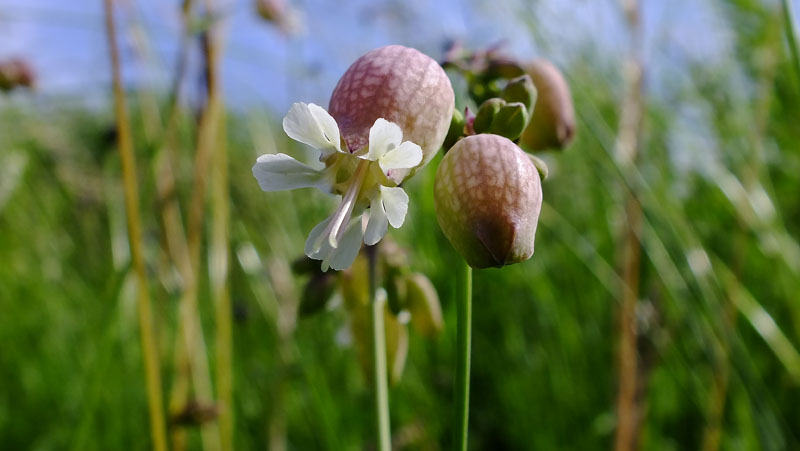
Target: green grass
point(720, 277)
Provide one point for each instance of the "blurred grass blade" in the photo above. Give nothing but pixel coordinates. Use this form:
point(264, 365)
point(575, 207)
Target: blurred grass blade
point(791, 35)
point(761, 320)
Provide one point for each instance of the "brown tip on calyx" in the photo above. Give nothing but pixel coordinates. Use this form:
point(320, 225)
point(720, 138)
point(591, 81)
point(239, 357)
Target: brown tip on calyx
point(492, 237)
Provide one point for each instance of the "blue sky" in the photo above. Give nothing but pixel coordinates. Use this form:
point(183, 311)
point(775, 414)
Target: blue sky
point(263, 68)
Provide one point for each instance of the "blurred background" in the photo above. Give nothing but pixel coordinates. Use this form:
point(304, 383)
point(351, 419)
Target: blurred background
point(663, 291)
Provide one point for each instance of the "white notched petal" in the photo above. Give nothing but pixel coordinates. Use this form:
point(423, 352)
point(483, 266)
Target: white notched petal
point(406, 156)
point(327, 124)
point(278, 172)
point(395, 200)
point(312, 125)
point(378, 222)
point(344, 255)
point(383, 137)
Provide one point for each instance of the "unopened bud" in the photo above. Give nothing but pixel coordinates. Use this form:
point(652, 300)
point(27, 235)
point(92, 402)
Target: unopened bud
point(401, 85)
point(552, 124)
point(396, 345)
point(510, 120)
point(521, 89)
point(15, 73)
point(485, 115)
point(503, 67)
point(279, 13)
point(423, 304)
point(488, 197)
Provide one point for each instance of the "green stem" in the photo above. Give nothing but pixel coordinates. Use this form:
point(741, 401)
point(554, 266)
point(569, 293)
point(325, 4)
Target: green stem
point(791, 34)
point(380, 380)
point(464, 345)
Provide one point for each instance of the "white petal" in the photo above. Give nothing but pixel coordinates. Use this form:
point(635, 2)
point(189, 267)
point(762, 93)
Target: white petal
point(383, 137)
point(407, 156)
point(340, 257)
point(277, 172)
point(395, 200)
point(327, 124)
point(311, 250)
point(344, 255)
point(378, 222)
point(312, 125)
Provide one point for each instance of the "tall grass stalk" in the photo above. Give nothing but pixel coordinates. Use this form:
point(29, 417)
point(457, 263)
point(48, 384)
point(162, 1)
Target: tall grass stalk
point(463, 350)
point(628, 408)
point(791, 35)
point(218, 273)
point(380, 381)
point(128, 161)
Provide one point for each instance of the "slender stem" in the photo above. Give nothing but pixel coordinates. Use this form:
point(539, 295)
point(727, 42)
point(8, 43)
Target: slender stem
point(631, 372)
point(381, 382)
point(464, 346)
point(791, 35)
point(125, 144)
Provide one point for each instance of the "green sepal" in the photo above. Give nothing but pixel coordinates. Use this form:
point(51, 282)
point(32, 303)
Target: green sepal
point(486, 114)
point(510, 121)
point(541, 166)
point(521, 89)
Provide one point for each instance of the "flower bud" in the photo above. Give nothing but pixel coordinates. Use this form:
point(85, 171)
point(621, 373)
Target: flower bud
point(485, 115)
point(16, 73)
point(401, 85)
point(279, 13)
point(521, 89)
point(396, 345)
point(553, 122)
point(488, 196)
point(510, 120)
point(423, 304)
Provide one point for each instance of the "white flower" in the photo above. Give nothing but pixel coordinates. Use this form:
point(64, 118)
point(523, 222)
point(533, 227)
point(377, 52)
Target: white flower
point(370, 175)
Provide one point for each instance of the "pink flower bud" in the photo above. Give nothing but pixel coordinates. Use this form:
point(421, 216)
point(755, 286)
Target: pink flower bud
point(14, 73)
point(401, 85)
point(488, 197)
point(552, 125)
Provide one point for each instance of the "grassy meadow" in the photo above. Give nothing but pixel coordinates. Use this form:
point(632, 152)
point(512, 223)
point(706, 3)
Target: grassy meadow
point(717, 295)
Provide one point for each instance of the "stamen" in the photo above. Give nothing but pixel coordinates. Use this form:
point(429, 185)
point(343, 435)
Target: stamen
point(341, 217)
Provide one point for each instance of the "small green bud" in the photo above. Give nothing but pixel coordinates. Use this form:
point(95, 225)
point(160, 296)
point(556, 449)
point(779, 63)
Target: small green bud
point(423, 304)
point(521, 89)
point(396, 345)
point(486, 114)
point(488, 195)
point(456, 130)
point(510, 120)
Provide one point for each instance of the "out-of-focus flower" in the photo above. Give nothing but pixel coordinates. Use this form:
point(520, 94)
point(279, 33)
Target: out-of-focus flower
point(488, 197)
point(281, 14)
point(368, 177)
point(15, 73)
point(552, 125)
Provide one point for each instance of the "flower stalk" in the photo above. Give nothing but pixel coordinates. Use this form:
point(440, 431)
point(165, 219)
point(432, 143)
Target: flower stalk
point(464, 348)
point(380, 384)
point(125, 144)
